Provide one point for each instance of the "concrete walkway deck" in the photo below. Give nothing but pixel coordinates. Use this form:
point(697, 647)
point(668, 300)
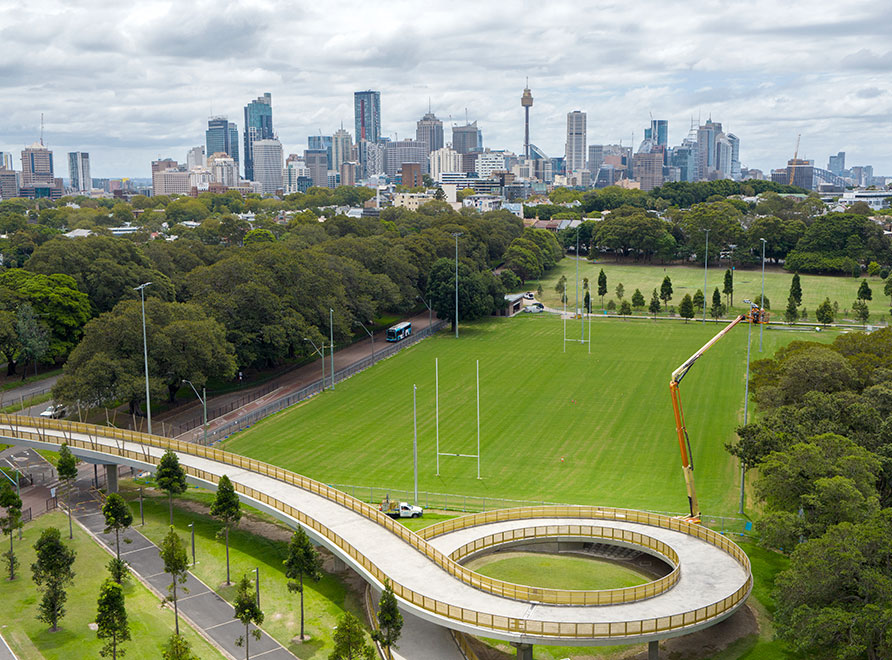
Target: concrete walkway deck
point(708, 575)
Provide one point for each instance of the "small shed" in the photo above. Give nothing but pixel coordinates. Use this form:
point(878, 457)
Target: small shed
point(514, 304)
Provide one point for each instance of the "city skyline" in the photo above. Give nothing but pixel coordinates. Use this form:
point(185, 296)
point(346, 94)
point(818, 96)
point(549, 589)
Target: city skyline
point(767, 75)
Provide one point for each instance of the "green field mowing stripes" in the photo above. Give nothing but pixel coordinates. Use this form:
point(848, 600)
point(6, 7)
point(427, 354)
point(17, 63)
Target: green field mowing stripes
point(608, 415)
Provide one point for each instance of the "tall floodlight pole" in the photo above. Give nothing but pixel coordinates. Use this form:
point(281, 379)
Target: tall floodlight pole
point(456, 235)
point(204, 404)
point(322, 353)
point(437, 401)
point(415, 441)
point(746, 401)
point(705, 269)
point(145, 352)
point(478, 419)
point(577, 272)
point(762, 302)
point(331, 342)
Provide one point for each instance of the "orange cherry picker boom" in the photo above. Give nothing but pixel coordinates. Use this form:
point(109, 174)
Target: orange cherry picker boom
point(756, 315)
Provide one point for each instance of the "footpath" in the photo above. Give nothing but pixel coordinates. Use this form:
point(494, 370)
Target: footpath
point(201, 606)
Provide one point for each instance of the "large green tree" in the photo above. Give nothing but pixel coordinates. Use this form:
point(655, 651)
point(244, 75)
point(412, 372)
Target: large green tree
point(686, 308)
point(303, 561)
point(796, 289)
point(728, 287)
point(349, 641)
point(107, 367)
point(602, 286)
point(227, 509)
point(52, 573)
point(66, 468)
point(390, 621)
point(10, 521)
point(479, 293)
point(171, 478)
point(117, 518)
point(111, 620)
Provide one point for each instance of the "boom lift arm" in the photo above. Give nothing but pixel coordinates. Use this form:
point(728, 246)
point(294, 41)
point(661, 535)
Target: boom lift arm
point(756, 315)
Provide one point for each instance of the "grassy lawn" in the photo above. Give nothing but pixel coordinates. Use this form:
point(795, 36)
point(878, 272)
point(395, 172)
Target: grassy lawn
point(556, 571)
point(31, 639)
point(324, 601)
point(688, 279)
point(608, 415)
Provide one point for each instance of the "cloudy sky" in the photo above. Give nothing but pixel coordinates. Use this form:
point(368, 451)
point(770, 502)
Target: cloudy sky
point(129, 82)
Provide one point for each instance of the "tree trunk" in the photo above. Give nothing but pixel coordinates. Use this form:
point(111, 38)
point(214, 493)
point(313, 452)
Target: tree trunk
point(176, 611)
point(301, 606)
point(10, 367)
point(68, 502)
point(117, 544)
point(11, 562)
point(170, 505)
point(227, 555)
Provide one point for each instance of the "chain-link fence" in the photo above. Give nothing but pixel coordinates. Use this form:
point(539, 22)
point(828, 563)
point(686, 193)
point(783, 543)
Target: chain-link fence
point(316, 387)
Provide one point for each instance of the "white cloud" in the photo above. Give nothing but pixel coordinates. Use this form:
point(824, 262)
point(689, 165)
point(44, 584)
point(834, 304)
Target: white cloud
point(131, 81)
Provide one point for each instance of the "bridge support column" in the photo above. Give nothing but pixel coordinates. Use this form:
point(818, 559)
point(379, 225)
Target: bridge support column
point(524, 651)
point(111, 478)
point(653, 651)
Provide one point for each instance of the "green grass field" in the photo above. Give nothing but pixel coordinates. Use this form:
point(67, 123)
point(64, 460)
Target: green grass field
point(556, 571)
point(30, 639)
point(688, 279)
point(608, 415)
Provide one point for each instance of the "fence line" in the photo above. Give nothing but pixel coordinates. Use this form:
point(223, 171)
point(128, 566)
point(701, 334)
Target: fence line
point(316, 387)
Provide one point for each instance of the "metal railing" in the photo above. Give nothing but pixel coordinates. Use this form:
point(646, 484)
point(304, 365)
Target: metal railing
point(481, 620)
point(579, 597)
point(316, 387)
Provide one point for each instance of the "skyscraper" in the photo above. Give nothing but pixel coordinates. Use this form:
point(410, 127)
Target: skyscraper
point(37, 166)
point(268, 165)
point(317, 142)
point(341, 148)
point(222, 137)
point(444, 160)
point(595, 157)
point(467, 138)
point(398, 152)
point(526, 102)
point(837, 163)
point(6, 160)
point(658, 132)
point(195, 157)
point(367, 113)
point(706, 135)
point(317, 163)
point(575, 147)
point(258, 126)
point(735, 156)
point(429, 130)
point(79, 171)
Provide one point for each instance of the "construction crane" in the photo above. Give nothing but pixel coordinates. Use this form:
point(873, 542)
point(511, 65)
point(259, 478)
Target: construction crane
point(755, 315)
point(794, 161)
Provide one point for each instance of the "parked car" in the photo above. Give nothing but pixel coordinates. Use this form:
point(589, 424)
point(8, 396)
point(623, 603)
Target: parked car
point(55, 411)
point(533, 309)
point(529, 295)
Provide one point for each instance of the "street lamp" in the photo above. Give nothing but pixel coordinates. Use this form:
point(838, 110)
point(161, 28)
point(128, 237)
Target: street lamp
point(430, 312)
point(370, 334)
point(145, 351)
point(204, 403)
point(322, 353)
point(331, 343)
point(456, 234)
point(705, 268)
point(762, 302)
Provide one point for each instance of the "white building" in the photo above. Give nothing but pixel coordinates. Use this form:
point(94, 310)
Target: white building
point(223, 169)
point(79, 172)
point(442, 160)
point(489, 162)
point(341, 148)
point(171, 181)
point(575, 152)
point(411, 201)
point(200, 178)
point(459, 179)
point(483, 203)
point(294, 169)
point(195, 157)
point(268, 165)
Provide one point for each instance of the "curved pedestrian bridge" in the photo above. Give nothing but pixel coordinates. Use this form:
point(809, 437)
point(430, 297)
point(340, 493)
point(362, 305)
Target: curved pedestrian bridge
point(709, 580)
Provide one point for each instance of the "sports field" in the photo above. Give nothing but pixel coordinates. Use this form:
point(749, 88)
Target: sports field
point(554, 426)
point(688, 279)
point(556, 571)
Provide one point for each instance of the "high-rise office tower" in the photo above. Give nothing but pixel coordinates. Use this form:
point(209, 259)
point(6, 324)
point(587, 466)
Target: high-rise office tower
point(268, 165)
point(258, 126)
point(735, 156)
point(317, 142)
point(398, 152)
point(367, 113)
point(526, 102)
point(223, 169)
point(9, 183)
point(222, 137)
point(6, 160)
point(444, 160)
point(317, 164)
point(341, 148)
point(575, 147)
point(723, 150)
point(467, 138)
point(837, 163)
point(429, 130)
point(195, 157)
point(37, 166)
point(79, 171)
point(595, 157)
point(658, 132)
point(706, 135)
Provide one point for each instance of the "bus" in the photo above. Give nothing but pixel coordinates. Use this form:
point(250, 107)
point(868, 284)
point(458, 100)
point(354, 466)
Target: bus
point(399, 331)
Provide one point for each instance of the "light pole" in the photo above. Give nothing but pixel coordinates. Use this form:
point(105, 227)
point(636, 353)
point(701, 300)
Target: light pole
point(192, 528)
point(331, 342)
point(369, 334)
point(705, 268)
point(257, 571)
point(322, 353)
point(204, 404)
point(145, 351)
point(415, 441)
point(762, 302)
point(430, 312)
point(456, 235)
